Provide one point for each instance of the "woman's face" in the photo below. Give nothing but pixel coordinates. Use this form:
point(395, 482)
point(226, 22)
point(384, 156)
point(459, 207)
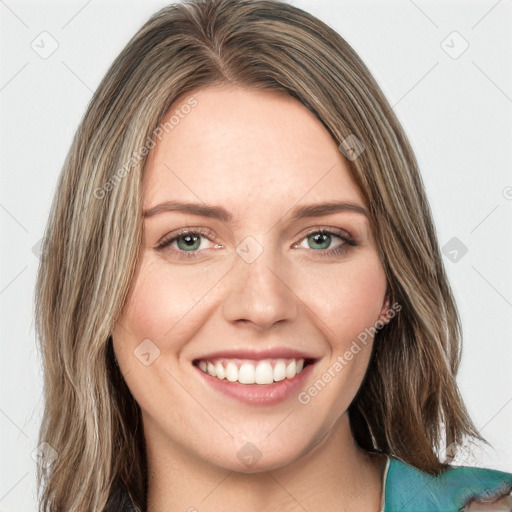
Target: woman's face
point(267, 278)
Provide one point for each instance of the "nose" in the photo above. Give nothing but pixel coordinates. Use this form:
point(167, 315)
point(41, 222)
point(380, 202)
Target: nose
point(260, 292)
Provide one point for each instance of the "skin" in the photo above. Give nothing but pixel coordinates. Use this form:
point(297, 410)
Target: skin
point(259, 154)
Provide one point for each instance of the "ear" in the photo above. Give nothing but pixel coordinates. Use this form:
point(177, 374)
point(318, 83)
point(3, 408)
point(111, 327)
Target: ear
point(384, 316)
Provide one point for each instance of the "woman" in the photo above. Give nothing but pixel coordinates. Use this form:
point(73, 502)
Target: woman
point(243, 299)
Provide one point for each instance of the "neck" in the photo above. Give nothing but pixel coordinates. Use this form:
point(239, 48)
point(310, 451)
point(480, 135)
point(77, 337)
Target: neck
point(335, 474)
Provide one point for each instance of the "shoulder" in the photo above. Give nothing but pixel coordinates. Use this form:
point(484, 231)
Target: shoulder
point(458, 488)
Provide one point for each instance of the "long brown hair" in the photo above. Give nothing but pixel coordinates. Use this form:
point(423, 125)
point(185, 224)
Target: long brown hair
point(409, 400)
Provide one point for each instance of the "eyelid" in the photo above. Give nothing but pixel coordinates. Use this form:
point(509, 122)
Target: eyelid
point(168, 237)
point(344, 235)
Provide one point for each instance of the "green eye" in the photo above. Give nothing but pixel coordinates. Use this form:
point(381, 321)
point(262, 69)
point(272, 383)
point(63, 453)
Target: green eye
point(319, 240)
point(188, 242)
point(327, 242)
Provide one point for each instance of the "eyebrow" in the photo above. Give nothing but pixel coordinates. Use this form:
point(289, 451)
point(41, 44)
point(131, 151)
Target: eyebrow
point(220, 213)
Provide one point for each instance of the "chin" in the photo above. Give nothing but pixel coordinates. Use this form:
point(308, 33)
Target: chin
point(253, 458)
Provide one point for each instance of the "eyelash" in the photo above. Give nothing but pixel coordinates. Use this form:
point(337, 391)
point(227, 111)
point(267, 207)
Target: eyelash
point(167, 240)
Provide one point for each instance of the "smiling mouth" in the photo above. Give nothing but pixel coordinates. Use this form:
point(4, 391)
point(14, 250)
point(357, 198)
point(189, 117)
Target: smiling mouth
point(246, 371)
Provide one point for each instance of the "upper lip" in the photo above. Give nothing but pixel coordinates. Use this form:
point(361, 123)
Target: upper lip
point(270, 353)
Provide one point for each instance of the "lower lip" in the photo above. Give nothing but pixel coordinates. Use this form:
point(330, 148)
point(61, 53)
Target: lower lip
point(259, 394)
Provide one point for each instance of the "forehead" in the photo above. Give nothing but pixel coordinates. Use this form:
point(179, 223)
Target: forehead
point(248, 149)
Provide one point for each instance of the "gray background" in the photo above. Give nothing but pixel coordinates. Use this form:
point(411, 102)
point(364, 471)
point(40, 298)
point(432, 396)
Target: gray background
point(455, 106)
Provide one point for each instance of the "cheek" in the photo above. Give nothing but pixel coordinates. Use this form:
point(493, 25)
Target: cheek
point(159, 318)
point(348, 298)
point(162, 301)
point(348, 301)
point(166, 305)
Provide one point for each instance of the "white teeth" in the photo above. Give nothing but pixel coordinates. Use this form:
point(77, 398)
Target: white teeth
point(211, 369)
point(279, 371)
point(264, 372)
point(246, 374)
point(220, 372)
point(291, 370)
point(231, 372)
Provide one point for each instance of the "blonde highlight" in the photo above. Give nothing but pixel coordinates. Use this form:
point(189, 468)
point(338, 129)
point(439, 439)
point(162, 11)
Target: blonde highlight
point(409, 398)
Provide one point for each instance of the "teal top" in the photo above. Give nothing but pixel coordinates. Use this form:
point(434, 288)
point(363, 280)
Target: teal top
point(407, 489)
